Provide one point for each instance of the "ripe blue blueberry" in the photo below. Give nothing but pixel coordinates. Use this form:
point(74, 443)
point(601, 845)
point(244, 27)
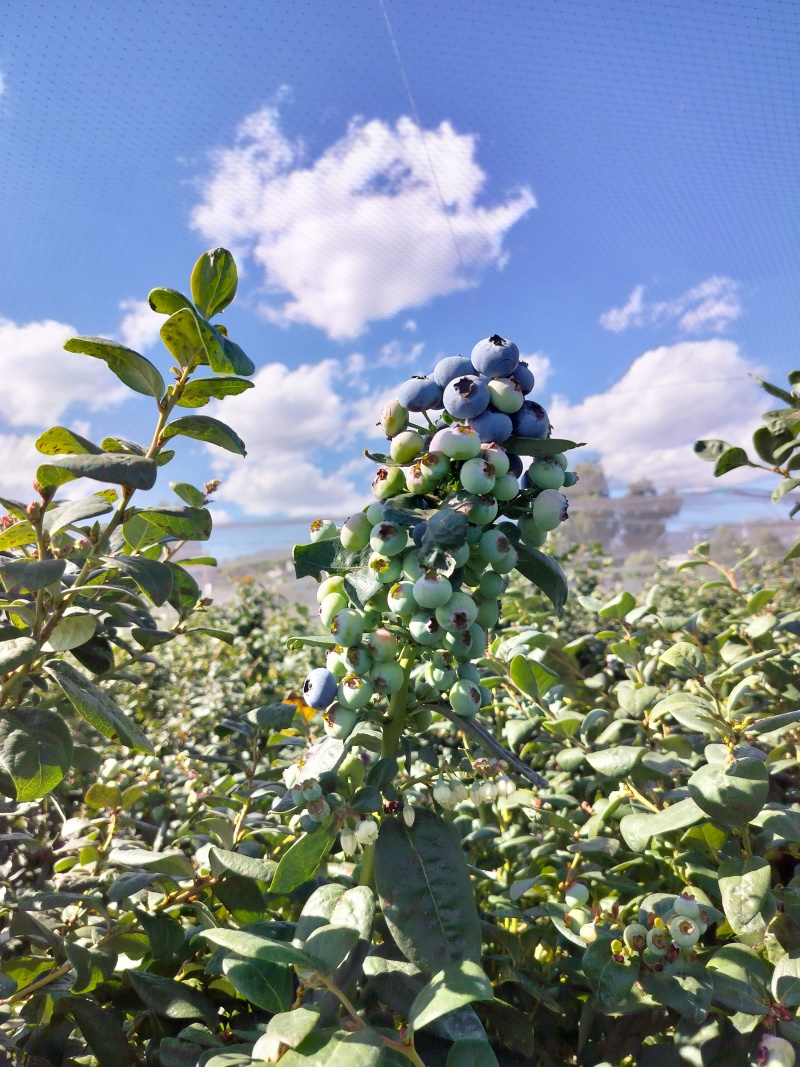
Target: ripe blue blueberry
point(467, 397)
point(319, 688)
point(523, 376)
point(514, 467)
point(449, 368)
point(419, 394)
point(531, 421)
point(492, 426)
point(418, 533)
point(495, 357)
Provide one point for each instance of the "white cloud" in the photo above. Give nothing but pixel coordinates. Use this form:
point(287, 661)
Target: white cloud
point(411, 325)
point(41, 381)
point(358, 234)
point(140, 325)
point(644, 426)
point(541, 366)
point(291, 423)
point(18, 462)
point(2, 83)
point(710, 306)
point(395, 354)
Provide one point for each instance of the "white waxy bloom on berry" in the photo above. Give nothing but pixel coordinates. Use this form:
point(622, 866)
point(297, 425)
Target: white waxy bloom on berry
point(775, 1052)
point(506, 787)
point(576, 894)
point(348, 841)
point(658, 941)
point(366, 831)
point(686, 905)
point(684, 931)
point(588, 933)
point(408, 814)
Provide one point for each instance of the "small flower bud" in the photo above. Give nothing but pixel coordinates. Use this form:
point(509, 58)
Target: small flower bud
point(506, 787)
point(349, 842)
point(408, 815)
point(488, 792)
point(443, 795)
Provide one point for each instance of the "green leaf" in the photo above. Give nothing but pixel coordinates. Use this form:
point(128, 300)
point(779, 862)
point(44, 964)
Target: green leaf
point(182, 338)
point(243, 866)
point(775, 722)
point(692, 711)
point(224, 356)
point(759, 600)
point(102, 1031)
point(609, 980)
point(617, 762)
point(255, 947)
point(30, 574)
point(638, 828)
point(97, 707)
point(60, 441)
point(267, 985)
point(172, 861)
point(204, 428)
point(16, 652)
point(292, 1027)
point(198, 392)
point(426, 896)
point(172, 1000)
point(786, 980)
point(152, 577)
point(134, 370)
point(151, 525)
point(732, 794)
point(164, 934)
point(35, 751)
point(521, 671)
point(688, 992)
point(458, 984)
point(117, 468)
point(745, 888)
point(188, 494)
point(710, 450)
point(71, 632)
point(740, 980)
point(92, 966)
point(58, 519)
point(471, 1052)
point(546, 573)
point(323, 1048)
point(550, 446)
point(686, 658)
point(300, 862)
point(103, 795)
point(730, 459)
point(21, 533)
point(618, 607)
point(330, 945)
point(310, 560)
point(167, 301)
point(214, 281)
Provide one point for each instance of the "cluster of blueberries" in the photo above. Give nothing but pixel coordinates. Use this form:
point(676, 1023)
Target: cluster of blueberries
point(441, 614)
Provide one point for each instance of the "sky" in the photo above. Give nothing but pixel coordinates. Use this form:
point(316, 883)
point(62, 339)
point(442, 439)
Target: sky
point(611, 185)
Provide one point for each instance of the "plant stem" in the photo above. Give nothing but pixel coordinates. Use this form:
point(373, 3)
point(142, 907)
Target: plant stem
point(367, 876)
point(397, 708)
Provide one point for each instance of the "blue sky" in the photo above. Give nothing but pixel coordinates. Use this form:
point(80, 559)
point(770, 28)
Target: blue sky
point(620, 190)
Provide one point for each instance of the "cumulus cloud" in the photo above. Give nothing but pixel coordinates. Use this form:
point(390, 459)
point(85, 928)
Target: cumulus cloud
point(140, 325)
point(360, 233)
point(710, 306)
point(541, 366)
point(292, 422)
point(41, 381)
point(644, 426)
point(18, 461)
point(395, 354)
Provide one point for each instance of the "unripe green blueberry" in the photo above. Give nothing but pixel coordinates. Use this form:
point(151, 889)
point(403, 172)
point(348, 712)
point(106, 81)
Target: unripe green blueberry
point(375, 512)
point(545, 474)
point(331, 606)
point(419, 479)
point(339, 722)
point(492, 585)
point(436, 464)
point(478, 641)
point(387, 677)
point(459, 555)
point(468, 672)
point(425, 629)
point(355, 532)
point(635, 936)
point(458, 613)
point(323, 530)
point(588, 934)
point(549, 509)
point(561, 460)
point(347, 628)
point(420, 719)
point(576, 895)
point(372, 617)
point(493, 545)
point(460, 442)
point(477, 476)
point(684, 931)
point(487, 699)
point(333, 661)
point(357, 659)
point(506, 395)
point(411, 567)
point(488, 614)
point(440, 678)
point(686, 905)
point(388, 539)
point(354, 692)
point(459, 643)
point(334, 584)
point(658, 941)
point(424, 690)
point(387, 569)
point(465, 698)
point(570, 479)
point(498, 457)
point(406, 446)
point(530, 533)
point(382, 645)
point(351, 773)
point(401, 598)
point(484, 511)
point(394, 418)
point(432, 590)
point(388, 482)
point(474, 534)
point(578, 918)
point(506, 487)
point(507, 564)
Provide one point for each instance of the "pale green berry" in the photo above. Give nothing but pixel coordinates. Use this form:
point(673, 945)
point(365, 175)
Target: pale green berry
point(530, 533)
point(419, 479)
point(401, 598)
point(425, 629)
point(549, 509)
point(561, 460)
point(507, 564)
point(458, 613)
point(435, 464)
point(635, 936)
point(394, 418)
point(684, 931)
point(334, 584)
point(387, 569)
point(388, 539)
point(506, 487)
point(339, 722)
point(506, 395)
point(411, 567)
point(333, 661)
point(388, 482)
point(545, 474)
point(347, 628)
point(432, 590)
point(375, 511)
point(459, 642)
point(488, 614)
point(406, 446)
point(465, 698)
point(469, 672)
point(487, 700)
point(382, 645)
point(493, 545)
point(460, 442)
point(355, 532)
point(354, 692)
point(323, 530)
point(440, 678)
point(357, 659)
point(492, 585)
point(588, 934)
point(686, 905)
point(658, 941)
point(498, 457)
point(576, 894)
point(459, 555)
point(331, 606)
point(477, 476)
point(420, 719)
point(387, 677)
point(484, 510)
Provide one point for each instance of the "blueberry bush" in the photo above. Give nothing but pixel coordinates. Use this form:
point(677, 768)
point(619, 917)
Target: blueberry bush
point(458, 820)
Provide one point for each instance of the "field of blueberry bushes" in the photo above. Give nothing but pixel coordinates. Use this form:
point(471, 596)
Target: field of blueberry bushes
point(483, 809)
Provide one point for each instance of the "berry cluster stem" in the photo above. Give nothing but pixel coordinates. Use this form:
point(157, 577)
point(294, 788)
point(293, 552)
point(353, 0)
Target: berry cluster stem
point(397, 707)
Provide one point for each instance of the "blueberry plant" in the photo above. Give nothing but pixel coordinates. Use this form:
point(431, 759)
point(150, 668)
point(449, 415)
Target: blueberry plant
point(72, 585)
point(562, 832)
